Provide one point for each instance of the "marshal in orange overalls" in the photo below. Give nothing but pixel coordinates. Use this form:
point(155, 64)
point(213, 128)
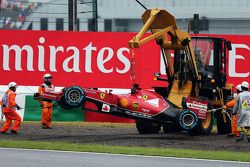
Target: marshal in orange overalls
point(235, 132)
point(47, 106)
point(9, 109)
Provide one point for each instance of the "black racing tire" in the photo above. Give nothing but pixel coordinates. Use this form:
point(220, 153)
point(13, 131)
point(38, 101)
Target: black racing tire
point(63, 104)
point(171, 128)
point(73, 97)
point(146, 127)
point(223, 127)
point(188, 120)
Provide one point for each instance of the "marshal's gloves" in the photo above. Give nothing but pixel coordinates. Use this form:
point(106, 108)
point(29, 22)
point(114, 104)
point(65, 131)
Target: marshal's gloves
point(18, 107)
point(41, 105)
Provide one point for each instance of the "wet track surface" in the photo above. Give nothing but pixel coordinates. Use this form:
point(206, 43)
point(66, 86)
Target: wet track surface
point(41, 158)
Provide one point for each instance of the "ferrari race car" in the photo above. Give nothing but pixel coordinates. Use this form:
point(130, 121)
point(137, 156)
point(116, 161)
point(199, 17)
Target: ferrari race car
point(148, 108)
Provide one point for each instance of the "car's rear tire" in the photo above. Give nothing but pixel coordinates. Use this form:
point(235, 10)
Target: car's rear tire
point(171, 128)
point(146, 127)
point(73, 97)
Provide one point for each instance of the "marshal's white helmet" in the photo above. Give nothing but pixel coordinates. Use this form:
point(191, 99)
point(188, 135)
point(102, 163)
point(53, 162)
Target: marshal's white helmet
point(46, 76)
point(238, 87)
point(12, 84)
point(245, 84)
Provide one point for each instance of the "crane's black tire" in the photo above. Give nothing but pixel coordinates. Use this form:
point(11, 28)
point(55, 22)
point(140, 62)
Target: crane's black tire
point(147, 127)
point(73, 97)
point(223, 127)
point(204, 127)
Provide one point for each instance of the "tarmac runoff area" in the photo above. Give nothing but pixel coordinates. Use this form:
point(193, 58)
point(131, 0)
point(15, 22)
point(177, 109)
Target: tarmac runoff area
point(41, 158)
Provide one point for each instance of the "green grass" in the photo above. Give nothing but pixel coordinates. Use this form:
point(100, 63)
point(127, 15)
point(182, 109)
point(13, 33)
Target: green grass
point(187, 153)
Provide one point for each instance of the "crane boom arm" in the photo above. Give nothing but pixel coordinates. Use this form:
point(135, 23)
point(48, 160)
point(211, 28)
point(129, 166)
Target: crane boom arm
point(163, 26)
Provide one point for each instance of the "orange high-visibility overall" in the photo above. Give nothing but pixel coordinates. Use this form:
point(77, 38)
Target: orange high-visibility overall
point(235, 131)
point(9, 110)
point(46, 105)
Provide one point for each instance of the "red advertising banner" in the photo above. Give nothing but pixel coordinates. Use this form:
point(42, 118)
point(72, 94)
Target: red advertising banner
point(74, 58)
point(94, 59)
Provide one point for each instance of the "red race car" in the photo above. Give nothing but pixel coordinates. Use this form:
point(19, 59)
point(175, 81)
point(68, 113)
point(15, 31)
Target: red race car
point(149, 109)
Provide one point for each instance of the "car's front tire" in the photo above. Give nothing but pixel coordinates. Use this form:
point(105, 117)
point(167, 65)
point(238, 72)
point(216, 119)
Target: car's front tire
point(73, 97)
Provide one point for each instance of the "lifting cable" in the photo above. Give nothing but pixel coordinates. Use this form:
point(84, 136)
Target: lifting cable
point(29, 108)
point(34, 108)
point(3, 92)
point(222, 111)
point(132, 69)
